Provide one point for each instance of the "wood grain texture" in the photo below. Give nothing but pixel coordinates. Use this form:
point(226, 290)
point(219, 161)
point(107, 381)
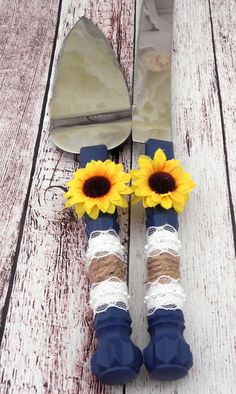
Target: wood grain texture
point(223, 21)
point(208, 262)
point(26, 41)
point(48, 338)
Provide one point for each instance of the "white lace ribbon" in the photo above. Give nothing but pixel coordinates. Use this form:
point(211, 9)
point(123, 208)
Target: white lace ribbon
point(109, 293)
point(104, 243)
point(163, 239)
point(168, 295)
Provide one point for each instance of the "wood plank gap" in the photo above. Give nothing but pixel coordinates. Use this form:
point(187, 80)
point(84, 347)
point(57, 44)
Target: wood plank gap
point(233, 222)
point(25, 207)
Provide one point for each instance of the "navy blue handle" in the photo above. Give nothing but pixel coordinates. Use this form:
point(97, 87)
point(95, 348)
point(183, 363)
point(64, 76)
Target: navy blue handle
point(117, 360)
point(152, 145)
point(168, 356)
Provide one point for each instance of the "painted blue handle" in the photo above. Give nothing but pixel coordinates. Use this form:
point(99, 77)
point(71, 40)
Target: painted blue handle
point(117, 360)
point(168, 356)
point(159, 216)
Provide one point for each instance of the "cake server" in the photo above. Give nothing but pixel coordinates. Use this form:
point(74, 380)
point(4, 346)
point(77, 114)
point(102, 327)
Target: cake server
point(90, 113)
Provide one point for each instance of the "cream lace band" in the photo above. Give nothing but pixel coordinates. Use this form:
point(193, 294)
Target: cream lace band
point(104, 243)
point(163, 239)
point(164, 290)
point(109, 293)
point(107, 272)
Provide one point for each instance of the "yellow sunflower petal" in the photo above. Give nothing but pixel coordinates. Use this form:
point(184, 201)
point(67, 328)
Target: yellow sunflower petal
point(73, 192)
point(74, 183)
point(145, 203)
point(177, 173)
point(186, 187)
point(134, 174)
point(179, 206)
point(177, 197)
point(103, 204)
point(80, 175)
point(170, 165)
point(119, 167)
point(69, 203)
point(144, 191)
point(94, 168)
point(150, 202)
point(145, 162)
point(186, 196)
point(159, 159)
point(126, 190)
point(135, 199)
point(89, 203)
point(94, 212)
point(122, 202)
point(111, 209)
point(156, 197)
point(80, 209)
point(126, 178)
point(142, 180)
point(68, 194)
point(76, 199)
point(166, 202)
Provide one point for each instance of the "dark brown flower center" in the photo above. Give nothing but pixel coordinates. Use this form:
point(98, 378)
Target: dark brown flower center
point(96, 186)
point(162, 182)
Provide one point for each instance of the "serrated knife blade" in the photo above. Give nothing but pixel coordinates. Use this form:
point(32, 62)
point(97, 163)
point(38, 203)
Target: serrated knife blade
point(152, 75)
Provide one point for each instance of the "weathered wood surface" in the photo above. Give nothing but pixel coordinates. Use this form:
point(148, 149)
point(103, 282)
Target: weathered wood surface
point(26, 44)
point(47, 340)
point(223, 20)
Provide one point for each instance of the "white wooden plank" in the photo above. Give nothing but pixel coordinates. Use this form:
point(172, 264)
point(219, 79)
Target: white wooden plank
point(208, 264)
point(26, 39)
point(48, 340)
point(223, 16)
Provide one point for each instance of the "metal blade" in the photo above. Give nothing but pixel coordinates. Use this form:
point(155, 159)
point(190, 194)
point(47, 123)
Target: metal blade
point(152, 78)
point(90, 103)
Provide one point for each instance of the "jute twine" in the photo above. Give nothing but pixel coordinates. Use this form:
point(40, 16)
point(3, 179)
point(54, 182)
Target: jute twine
point(106, 267)
point(163, 265)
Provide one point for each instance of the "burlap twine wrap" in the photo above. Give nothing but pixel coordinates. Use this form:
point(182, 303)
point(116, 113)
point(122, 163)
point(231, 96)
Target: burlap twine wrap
point(165, 265)
point(106, 267)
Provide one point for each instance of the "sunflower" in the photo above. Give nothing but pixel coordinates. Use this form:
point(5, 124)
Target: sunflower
point(100, 186)
point(161, 181)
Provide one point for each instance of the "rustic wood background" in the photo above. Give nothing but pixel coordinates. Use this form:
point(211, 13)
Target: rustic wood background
point(46, 337)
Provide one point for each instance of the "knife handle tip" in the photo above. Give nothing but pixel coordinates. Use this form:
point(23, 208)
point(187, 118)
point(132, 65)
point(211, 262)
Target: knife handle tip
point(167, 357)
point(117, 360)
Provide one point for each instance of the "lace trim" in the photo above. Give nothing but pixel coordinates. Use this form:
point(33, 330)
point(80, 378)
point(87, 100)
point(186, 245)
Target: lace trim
point(165, 293)
point(104, 243)
point(163, 239)
point(109, 293)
